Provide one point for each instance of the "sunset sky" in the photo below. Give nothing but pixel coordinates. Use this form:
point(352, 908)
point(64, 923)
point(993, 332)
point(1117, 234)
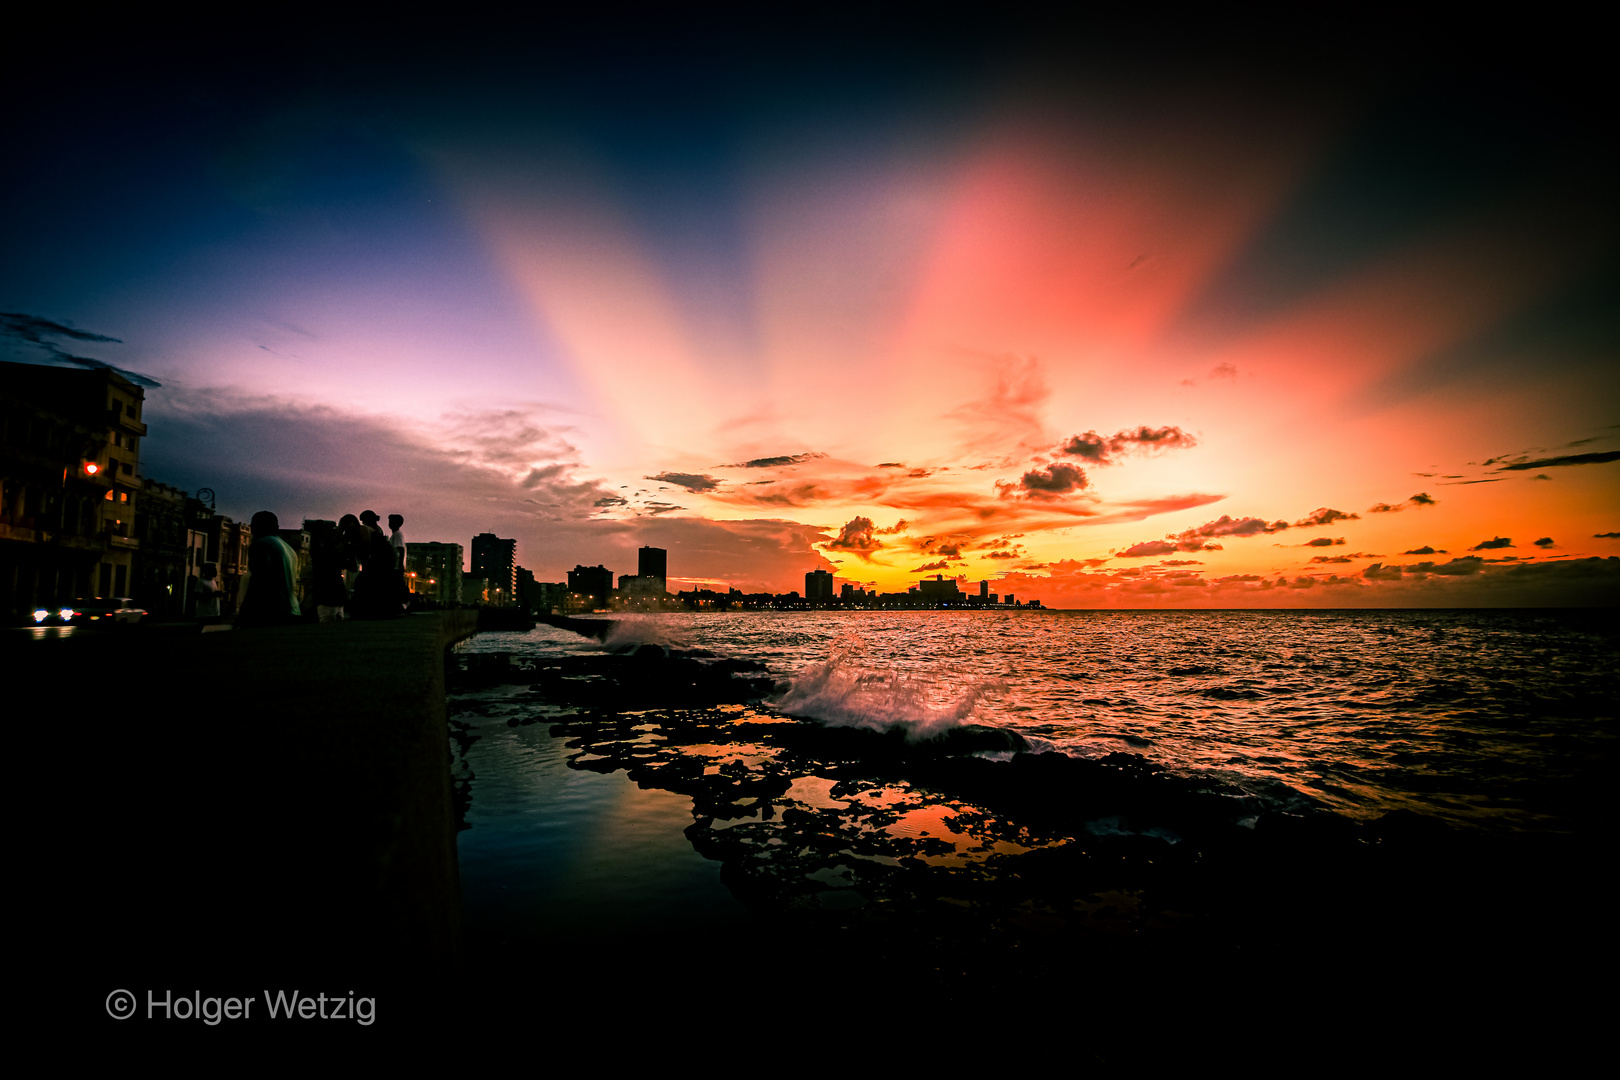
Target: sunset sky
point(1106, 323)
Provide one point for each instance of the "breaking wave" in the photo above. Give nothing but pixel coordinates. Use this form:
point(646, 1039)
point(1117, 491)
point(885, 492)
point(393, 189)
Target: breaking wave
point(842, 692)
point(630, 633)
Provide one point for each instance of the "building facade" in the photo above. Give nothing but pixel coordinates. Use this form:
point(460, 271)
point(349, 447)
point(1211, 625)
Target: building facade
point(69, 484)
point(940, 590)
point(217, 539)
point(495, 560)
point(540, 597)
point(818, 587)
point(162, 565)
point(591, 585)
point(652, 567)
point(433, 570)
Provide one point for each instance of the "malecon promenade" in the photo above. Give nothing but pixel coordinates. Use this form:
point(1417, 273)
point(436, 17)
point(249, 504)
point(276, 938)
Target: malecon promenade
point(230, 813)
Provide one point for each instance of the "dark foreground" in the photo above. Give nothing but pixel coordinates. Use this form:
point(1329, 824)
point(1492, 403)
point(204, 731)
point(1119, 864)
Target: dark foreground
point(235, 813)
point(230, 815)
point(1254, 937)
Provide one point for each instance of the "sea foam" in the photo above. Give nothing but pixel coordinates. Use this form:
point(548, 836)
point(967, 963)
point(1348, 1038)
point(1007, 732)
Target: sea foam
point(630, 633)
point(843, 692)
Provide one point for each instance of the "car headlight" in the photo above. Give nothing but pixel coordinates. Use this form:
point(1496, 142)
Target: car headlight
point(40, 615)
point(66, 613)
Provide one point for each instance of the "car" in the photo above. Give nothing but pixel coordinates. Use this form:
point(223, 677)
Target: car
point(87, 610)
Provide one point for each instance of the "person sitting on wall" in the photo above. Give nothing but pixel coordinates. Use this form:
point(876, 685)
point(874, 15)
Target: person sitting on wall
point(272, 569)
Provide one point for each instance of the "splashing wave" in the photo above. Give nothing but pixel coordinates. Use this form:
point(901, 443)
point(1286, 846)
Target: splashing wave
point(842, 692)
point(630, 633)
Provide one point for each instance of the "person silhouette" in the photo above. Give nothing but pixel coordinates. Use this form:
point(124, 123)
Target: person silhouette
point(354, 539)
point(326, 570)
point(207, 593)
point(376, 592)
point(271, 597)
point(397, 539)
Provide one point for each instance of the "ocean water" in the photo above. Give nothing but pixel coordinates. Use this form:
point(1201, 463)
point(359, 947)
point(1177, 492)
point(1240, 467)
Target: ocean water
point(1178, 834)
point(1478, 719)
point(987, 803)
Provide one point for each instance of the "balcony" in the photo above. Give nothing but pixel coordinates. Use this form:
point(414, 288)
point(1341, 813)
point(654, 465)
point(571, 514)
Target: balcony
point(117, 419)
point(9, 531)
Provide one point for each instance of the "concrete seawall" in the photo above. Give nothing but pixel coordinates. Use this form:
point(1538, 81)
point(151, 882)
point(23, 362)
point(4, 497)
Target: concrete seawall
point(255, 808)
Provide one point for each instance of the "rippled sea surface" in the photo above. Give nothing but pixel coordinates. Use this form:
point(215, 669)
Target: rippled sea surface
point(1483, 719)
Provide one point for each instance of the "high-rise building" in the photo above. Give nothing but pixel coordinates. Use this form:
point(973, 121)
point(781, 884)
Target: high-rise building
point(653, 563)
point(818, 587)
point(434, 570)
point(495, 560)
point(592, 583)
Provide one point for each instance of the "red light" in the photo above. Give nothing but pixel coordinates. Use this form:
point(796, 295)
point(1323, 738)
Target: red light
point(91, 468)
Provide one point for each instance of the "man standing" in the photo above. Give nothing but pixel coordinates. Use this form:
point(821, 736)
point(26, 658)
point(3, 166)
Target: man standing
point(397, 538)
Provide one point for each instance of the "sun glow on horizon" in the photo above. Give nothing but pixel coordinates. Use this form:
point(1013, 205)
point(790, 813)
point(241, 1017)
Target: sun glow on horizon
point(1133, 335)
point(1049, 282)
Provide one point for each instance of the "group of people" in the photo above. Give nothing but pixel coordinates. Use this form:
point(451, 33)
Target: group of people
point(356, 571)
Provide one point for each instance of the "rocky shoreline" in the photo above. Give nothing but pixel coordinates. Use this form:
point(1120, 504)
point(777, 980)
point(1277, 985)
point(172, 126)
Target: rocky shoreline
point(966, 874)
